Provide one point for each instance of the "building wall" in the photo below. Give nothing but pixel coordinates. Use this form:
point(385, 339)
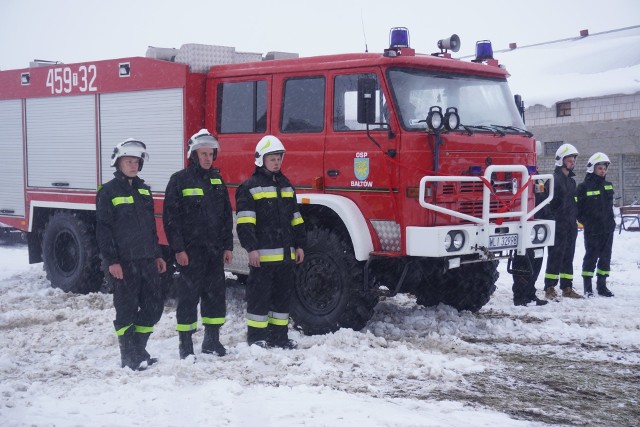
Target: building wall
point(610, 124)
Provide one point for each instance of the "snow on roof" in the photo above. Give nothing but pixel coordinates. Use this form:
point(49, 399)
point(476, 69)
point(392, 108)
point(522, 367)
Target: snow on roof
point(606, 63)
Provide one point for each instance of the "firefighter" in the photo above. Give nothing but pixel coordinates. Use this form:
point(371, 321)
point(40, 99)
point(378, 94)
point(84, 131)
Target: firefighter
point(272, 231)
point(563, 207)
point(128, 242)
point(595, 212)
point(199, 226)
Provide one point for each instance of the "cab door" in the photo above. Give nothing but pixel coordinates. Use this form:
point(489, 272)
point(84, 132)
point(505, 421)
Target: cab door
point(299, 104)
point(355, 166)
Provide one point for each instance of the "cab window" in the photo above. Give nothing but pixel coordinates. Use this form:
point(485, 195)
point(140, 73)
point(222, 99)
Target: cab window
point(345, 103)
point(242, 107)
point(303, 105)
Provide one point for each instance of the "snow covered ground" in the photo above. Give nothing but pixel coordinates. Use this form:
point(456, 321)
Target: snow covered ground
point(567, 363)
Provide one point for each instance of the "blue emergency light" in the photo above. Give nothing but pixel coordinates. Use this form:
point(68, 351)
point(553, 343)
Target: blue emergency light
point(484, 50)
point(398, 37)
point(475, 170)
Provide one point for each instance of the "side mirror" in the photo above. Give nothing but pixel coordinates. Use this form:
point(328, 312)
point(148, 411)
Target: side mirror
point(367, 100)
point(519, 105)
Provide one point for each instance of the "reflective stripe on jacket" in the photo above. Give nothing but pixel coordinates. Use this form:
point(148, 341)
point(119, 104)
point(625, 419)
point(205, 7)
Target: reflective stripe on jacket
point(125, 221)
point(197, 210)
point(268, 218)
point(595, 205)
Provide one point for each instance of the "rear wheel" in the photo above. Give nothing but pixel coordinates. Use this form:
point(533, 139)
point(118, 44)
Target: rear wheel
point(329, 291)
point(70, 254)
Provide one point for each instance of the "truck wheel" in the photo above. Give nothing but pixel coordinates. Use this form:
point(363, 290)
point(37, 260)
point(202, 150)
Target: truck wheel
point(70, 254)
point(328, 291)
point(428, 291)
point(470, 286)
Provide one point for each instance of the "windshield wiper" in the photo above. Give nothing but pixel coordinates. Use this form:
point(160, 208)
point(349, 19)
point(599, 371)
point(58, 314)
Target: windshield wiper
point(478, 127)
point(526, 132)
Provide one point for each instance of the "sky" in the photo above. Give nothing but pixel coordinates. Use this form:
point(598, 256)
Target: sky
point(570, 362)
point(79, 31)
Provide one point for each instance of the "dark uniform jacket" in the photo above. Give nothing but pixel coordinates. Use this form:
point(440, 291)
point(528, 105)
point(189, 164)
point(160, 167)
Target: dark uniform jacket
point(595, 205)
point(197, 210)
point(126, 225)
point(563, 206)
point(267, 215)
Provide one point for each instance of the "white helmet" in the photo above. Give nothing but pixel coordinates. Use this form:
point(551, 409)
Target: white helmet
point(563, 151)
point(131, 147)
point(268, 145)
point(203, 139)
point(597, 158)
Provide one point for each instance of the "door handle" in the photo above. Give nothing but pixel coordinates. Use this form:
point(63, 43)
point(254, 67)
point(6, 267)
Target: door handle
point(333, 172)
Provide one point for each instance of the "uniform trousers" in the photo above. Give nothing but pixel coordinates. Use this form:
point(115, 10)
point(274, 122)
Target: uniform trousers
point(201, 281)
point(137, 298)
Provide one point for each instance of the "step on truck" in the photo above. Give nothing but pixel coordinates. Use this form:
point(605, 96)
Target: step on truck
point(414, 172)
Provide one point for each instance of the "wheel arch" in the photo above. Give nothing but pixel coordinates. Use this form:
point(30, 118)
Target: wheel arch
point(333, 212)
point(39, 214)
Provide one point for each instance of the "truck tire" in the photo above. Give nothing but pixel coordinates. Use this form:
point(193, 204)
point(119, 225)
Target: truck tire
point(70, 254)
point(470, 286)
point(328, 292)
point(428, 290)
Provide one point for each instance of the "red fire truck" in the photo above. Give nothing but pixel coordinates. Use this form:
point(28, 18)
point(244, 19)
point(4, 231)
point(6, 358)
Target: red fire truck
point(414, 172)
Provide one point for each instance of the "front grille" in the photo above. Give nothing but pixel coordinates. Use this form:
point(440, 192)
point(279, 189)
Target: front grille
point(471, 187)
point(475, 208)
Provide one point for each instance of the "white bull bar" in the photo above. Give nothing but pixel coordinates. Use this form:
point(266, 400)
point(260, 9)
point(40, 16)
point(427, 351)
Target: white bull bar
point(481, 236)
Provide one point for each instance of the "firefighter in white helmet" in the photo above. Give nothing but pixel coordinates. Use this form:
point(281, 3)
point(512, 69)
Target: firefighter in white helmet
point(595, 212)
point(199, 226)
point(128, 242)
point(564, 210)
point(272, 231)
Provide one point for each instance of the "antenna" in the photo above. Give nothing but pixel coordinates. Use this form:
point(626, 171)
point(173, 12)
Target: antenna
point(366, 48)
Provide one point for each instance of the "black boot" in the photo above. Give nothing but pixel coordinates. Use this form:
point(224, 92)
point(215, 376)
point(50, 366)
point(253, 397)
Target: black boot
point(539, 301)
point(601, 286)
point(277, 337)
point(588, 289)
point(519, 288)
point(186, 344)
point(141, 342)
point(211, 343)
point(257, 336)
point(129, 356)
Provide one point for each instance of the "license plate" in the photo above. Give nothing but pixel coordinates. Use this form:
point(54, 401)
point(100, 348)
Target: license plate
point(503, 241)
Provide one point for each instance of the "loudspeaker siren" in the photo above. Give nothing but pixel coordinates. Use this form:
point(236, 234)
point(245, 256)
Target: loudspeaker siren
point(452, 43)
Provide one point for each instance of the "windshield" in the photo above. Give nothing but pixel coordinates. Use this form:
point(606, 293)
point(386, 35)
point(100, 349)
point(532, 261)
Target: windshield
point(480, 101)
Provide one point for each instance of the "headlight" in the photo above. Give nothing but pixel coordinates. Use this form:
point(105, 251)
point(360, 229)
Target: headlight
point(447, 241)
point(454, 241)
point(538, 234)
point(434, 118)
point(458, 241)
point(533, 235)
point(451, 118)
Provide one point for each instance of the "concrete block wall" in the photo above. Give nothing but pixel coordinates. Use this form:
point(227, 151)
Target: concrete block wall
point(610, 124)
point(612, 107)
